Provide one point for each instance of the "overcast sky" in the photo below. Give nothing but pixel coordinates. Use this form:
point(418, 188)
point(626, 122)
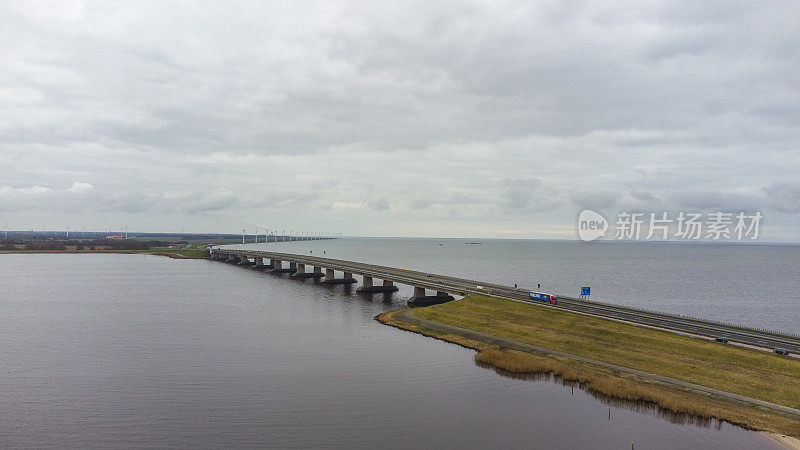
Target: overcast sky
point(472, 119)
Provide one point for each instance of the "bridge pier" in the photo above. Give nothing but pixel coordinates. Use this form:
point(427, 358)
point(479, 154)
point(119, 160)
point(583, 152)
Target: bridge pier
point(420, 299)
point(243, 261)
point(278, 267)
point(301, 272)
point(259, 263)
point(346, 279)
point(367, 286)
point(232, 258)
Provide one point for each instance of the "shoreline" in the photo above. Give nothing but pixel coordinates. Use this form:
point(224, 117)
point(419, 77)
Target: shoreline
point(616, 382)
point(173, 255)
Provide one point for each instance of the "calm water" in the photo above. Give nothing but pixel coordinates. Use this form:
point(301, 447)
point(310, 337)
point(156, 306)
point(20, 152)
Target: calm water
point(132, 350)
point(753, 285)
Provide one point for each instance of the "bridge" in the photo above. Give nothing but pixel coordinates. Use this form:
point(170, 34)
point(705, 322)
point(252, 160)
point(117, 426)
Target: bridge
point(442, 286)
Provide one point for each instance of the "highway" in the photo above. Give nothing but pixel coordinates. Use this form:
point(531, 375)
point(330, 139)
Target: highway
point(461, 286)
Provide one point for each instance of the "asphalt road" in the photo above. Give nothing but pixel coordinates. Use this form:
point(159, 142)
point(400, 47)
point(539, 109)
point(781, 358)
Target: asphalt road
point(461, 286)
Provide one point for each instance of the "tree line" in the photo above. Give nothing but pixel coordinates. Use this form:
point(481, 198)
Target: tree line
point(89, 244)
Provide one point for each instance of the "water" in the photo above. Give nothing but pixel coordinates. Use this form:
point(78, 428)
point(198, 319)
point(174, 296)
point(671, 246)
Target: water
point(747, 284)
point(133, 350)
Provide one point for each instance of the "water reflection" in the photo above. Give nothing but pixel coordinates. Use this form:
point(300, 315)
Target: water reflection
point(124, 350)
point(638, 406)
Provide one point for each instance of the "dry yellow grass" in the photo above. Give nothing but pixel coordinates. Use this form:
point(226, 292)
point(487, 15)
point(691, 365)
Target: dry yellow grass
point(755, 374)
point(388, 318)
point(627, 387)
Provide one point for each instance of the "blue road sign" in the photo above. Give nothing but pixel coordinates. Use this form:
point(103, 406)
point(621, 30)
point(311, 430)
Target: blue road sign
point(585, 290)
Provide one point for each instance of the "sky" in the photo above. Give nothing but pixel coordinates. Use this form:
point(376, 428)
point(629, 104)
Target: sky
point(496, 119)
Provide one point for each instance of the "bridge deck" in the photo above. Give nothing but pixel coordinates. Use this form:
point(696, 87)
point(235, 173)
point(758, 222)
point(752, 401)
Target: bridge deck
point(462, 286)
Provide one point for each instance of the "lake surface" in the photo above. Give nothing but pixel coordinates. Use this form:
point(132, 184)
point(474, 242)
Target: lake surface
point(134, 350)
point(747, 284)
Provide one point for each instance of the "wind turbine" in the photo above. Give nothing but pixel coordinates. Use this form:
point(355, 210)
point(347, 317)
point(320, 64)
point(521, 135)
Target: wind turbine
point(266, 233)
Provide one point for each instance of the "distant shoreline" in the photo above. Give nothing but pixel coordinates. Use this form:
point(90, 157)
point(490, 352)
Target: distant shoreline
point(170, 253)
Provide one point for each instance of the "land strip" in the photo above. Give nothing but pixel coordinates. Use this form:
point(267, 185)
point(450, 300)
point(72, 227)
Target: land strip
point(679, 373)
point(193, 252)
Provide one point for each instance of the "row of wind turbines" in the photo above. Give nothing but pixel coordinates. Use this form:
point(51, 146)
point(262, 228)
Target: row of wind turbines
point(291, 236)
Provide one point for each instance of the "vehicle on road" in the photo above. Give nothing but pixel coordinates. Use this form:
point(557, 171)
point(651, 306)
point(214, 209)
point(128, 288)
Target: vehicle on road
point(478, 287)
point(724, 340)
point(549, 298)
point(781, 351)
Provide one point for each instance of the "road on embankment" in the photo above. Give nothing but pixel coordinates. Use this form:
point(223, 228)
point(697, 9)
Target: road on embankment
point(461, 286)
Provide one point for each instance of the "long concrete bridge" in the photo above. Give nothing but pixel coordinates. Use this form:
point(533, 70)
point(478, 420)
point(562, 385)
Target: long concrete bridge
point(432, 288)
point(302, 266)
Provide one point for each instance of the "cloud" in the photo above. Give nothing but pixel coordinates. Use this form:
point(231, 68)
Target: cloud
point(784, 197)
point(708, 200)
point(378, 204)
point(598, 200)
point(471, 115)
point(41, 197)
point(529, 195)
point(219, 200)
point(84, 197)
point(80, 187)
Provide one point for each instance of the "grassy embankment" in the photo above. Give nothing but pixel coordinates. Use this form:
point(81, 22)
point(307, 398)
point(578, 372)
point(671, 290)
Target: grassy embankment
point(194, 251)
point(742, 371)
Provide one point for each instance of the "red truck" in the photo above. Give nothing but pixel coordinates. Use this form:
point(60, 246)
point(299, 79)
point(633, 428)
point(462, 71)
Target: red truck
point(542, 297)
